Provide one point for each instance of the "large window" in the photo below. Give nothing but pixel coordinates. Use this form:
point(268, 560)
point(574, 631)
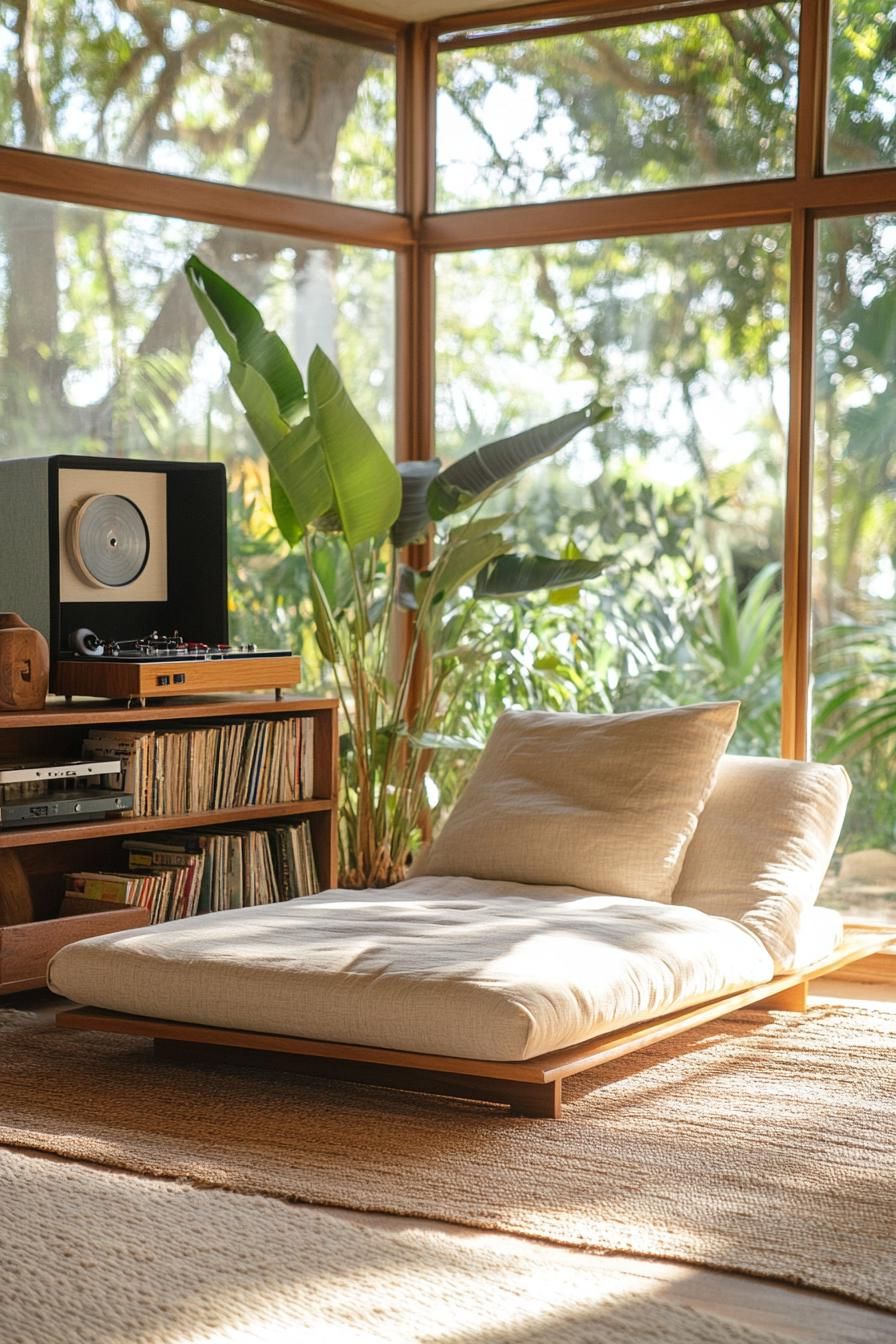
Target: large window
point(202, 92)
point(862, 98)
point(854, 574)
point(103, 349)
point(105, 352)
point(683, 101)
point(686, 210)
point(686, 335)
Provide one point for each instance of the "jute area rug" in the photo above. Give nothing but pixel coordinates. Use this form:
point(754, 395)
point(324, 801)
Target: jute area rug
point(97, 1257)
point(764, 1144)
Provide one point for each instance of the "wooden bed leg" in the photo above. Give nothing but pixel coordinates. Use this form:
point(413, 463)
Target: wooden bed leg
point(541, 1101)
point(793, 1000)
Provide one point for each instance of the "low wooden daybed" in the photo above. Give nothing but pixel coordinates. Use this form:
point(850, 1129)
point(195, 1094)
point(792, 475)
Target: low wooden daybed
point(532, 1087)
point(500, 983)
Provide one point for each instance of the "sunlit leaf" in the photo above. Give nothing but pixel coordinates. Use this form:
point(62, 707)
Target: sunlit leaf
point(242, 335)
point(480, 473)
point(366, 486)
point(516, 575)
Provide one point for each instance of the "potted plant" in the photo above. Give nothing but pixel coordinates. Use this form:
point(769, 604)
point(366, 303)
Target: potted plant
point(337, 494)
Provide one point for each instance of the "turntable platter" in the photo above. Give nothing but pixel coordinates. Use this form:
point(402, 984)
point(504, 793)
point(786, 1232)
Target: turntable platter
point(108, 540)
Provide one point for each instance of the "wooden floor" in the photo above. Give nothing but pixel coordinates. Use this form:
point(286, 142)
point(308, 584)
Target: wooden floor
point(794, 1313)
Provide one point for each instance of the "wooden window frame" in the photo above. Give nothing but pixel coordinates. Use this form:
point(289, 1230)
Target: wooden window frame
point(417, 234)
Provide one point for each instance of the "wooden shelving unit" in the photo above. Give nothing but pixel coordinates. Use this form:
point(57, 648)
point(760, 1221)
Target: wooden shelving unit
point(47, 852)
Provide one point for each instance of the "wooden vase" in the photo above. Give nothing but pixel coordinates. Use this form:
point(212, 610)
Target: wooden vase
point(24, 664)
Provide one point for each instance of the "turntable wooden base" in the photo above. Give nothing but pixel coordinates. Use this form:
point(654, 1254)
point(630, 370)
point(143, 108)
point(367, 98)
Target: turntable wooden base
point(111, 680)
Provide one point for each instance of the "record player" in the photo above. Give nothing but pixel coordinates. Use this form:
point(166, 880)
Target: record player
point(101, 555)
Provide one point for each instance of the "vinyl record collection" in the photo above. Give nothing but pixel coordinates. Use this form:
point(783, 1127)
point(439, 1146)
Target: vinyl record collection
point(191, 873)
point(242, 763)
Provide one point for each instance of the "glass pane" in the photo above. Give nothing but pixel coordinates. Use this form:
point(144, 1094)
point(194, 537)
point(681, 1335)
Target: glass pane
point(675, 103)
point(202, 92)
point(686, 335)
point(104, 351)
point(862, 99)
point(854, 575)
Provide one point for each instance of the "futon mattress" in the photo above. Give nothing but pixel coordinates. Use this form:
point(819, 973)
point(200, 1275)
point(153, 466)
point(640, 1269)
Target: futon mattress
point(437, 965)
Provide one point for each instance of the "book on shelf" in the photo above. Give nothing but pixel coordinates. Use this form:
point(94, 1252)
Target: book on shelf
point(209, 768)
point(189, 873)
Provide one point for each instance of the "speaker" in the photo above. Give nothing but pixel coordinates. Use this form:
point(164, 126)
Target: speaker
point(115, 546)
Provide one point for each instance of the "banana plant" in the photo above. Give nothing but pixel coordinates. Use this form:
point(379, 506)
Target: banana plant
point(394, 634)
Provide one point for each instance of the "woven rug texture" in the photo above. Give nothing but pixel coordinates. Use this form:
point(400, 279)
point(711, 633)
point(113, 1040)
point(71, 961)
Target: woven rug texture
point(764, 1144)
point(106, 1258)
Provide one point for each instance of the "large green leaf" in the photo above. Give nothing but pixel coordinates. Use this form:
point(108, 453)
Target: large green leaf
point(516, 575)
point(260, 405)
point(242, 335)
point(482, 472)
point(323, 630)
point(291, 529)
point(298, 461)
point(366, 485)
point(332, 567)
point(413, 520)
point(462, 560)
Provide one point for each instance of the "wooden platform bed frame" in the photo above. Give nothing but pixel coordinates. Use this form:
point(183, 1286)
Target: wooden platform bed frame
point(531, 1087)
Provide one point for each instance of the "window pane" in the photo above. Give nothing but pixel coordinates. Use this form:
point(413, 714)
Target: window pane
point(104, 351)
point(199, 91)
point(687, 336)
point(854, 575)
point(862, 100)
point(684, 101)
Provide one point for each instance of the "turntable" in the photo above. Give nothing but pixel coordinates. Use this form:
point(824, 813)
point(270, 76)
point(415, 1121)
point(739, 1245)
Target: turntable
point(100, 551)
point(159, 665)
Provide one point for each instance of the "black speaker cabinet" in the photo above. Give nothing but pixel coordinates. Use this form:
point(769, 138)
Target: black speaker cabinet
point(119, 547)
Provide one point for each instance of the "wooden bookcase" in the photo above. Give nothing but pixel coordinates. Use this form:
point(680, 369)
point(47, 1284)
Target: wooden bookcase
point(47, 852)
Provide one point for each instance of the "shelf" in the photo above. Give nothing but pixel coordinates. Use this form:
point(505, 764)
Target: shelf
point(41, 855)
point(58, 713)
point(89, 830)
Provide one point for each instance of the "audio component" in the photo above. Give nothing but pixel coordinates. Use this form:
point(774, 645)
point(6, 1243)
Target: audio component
point(36, 773)
point(64, 805)
point(95, 552)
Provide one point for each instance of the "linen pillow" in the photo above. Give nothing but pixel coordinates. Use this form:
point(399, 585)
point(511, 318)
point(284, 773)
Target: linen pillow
point(607, 802)
point(763, 846)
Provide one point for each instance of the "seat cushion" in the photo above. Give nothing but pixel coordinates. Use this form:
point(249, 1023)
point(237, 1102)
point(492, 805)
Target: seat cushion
point(446, 966)
point(763, 845)
point(605, 802)
point(818, 935)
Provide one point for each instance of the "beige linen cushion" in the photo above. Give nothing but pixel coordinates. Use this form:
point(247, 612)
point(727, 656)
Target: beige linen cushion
point(763, 845)
point(606, 802)
point(440, 965)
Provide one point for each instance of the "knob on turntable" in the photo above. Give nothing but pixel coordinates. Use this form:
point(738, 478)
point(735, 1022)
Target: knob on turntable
point(108, 540)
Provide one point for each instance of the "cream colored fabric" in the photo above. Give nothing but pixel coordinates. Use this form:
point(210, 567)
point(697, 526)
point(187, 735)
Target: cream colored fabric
point(447, 966)
point(818, 934)
point(606, 802)
point(763, 845)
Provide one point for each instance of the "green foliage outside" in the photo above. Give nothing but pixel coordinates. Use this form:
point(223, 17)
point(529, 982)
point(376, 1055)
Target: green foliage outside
point(687, 334)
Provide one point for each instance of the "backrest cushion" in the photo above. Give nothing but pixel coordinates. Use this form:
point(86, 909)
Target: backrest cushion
point(763, 845)
point(607, 802)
